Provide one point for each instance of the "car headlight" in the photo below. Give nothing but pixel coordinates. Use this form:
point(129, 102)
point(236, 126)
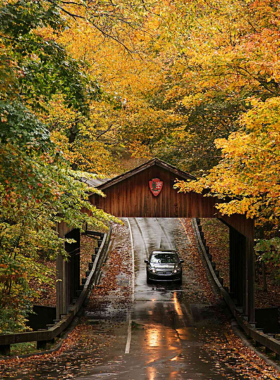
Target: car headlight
point(150, 269)
point(177, 270)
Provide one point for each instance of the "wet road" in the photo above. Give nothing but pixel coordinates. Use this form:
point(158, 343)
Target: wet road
point(165, 331)
point(132, 331)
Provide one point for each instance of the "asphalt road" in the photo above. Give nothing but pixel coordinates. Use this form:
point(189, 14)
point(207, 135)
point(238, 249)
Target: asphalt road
point(132, 330)
point(165, 332)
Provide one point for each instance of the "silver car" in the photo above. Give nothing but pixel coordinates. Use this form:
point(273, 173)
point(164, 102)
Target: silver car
point(164, 265)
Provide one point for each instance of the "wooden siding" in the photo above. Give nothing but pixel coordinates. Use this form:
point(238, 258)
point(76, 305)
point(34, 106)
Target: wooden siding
point(241, 224)
point(132, 197)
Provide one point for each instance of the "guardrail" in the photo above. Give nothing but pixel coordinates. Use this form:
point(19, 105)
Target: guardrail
point(44, 336)
point(261, 339)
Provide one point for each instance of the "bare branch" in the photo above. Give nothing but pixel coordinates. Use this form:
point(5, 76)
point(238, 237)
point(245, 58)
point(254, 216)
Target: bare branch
point(104, 132)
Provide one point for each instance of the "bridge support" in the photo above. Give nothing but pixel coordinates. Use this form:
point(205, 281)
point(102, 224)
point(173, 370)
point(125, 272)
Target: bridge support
point(242, 273)
point(250, 281)
point(61, 294)
point(67, 272)
point(237, 267)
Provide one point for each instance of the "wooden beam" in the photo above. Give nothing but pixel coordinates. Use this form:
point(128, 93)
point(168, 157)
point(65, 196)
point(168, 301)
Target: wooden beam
point(59, 286)
point(250, 267)
point(233, 268)
point(61, 276)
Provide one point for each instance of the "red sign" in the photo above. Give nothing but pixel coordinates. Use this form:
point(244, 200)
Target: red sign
point(155, 186)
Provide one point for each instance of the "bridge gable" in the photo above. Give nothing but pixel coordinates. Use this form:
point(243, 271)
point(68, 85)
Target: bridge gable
point(129, 195)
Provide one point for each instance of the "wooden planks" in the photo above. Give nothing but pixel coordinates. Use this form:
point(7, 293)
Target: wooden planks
point(129, 196)
point(133, 198)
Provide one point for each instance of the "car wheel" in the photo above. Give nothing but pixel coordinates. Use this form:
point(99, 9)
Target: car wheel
point(149, 281)
point(180, 281)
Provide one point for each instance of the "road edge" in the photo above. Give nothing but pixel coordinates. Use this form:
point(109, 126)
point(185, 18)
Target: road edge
point(219, 288)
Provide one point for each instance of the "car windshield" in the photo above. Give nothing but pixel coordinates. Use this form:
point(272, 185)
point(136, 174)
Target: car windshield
point(164, 258)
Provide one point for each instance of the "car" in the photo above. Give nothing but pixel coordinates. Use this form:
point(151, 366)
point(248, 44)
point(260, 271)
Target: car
point(164, 265)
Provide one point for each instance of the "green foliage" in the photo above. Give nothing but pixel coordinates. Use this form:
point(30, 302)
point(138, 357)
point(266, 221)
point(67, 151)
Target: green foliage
point(270, 249)
point(38, 188)
point(43, 66)
point(23, 348)
point(21, 17)
point(13, 317)
point(19, 126)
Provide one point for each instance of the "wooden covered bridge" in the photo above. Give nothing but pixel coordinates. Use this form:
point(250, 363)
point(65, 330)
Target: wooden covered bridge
point(147, 191)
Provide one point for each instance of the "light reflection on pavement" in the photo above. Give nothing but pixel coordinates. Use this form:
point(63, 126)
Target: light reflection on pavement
point(166, 337)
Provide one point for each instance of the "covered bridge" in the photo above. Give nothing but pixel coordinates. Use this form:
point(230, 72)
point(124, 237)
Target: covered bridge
point(147, 191)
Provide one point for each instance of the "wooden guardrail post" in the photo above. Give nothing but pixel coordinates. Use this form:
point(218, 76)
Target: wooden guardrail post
point(5, 349)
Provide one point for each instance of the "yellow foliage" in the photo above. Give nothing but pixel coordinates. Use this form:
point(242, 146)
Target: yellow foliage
point(249, 169)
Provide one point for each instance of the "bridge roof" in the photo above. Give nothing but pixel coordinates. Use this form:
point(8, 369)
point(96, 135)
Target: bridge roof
point(153, 162)
point(94, 182)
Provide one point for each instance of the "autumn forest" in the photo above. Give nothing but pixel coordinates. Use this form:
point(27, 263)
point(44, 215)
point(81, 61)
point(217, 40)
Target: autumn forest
point(92, 87)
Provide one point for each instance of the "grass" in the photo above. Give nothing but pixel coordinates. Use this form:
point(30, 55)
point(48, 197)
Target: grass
point(23, 348)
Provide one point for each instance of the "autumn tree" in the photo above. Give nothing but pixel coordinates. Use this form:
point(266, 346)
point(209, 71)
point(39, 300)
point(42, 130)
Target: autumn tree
point(196, 69)
point(242, 64)
point(38, 187)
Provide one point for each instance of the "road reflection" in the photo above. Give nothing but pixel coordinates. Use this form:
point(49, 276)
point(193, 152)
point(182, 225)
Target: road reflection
point(153, 337)
point(177, 304)
point(160, 336)
point(151, 372)
point(173, 375)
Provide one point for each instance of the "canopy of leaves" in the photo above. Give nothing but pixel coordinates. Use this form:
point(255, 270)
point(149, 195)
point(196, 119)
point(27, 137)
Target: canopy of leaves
point(240, 64)
point(84, 85)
